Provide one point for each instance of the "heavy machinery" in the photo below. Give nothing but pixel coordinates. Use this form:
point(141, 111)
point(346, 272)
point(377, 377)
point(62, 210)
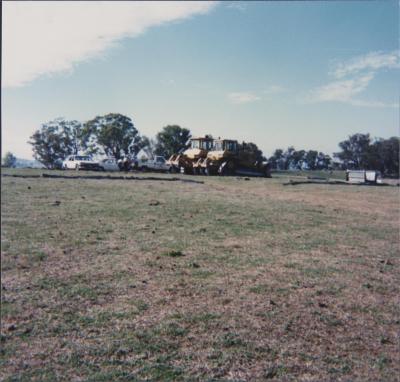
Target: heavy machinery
point(228, 157)
point(198, 149)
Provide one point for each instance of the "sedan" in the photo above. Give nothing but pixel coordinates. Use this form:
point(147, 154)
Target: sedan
point(108, 164)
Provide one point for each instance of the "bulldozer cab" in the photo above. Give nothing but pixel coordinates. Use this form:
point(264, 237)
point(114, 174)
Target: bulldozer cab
point(225, 145)
point(203, 143)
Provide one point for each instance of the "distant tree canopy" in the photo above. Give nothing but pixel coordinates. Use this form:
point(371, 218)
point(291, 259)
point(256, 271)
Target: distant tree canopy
point(385, 155)
point(300, 159)
point(9, 160)
point(276, 160)
point(114, 135)
point(57, 139)
point(355, 151)
point(253, 148)
point(111, 134)
point(171, 139)
point(359, 151)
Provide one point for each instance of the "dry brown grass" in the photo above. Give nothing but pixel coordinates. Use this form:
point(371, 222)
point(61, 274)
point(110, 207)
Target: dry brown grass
point(274, 282)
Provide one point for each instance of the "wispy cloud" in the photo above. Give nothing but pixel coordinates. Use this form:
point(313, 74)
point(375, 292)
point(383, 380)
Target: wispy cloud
point(342, 90)
point(42, 38)
point(243, 97)
point(372, 61)
point(353, 77)
point(251, 96)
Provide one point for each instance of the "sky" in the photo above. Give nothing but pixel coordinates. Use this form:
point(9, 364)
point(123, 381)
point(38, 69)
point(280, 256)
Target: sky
point(307, 74)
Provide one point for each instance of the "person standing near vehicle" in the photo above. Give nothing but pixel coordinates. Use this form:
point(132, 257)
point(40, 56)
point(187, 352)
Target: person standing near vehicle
point(126, 164)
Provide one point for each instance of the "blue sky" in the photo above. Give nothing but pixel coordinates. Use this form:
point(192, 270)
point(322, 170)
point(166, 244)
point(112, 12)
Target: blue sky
point(306, 74)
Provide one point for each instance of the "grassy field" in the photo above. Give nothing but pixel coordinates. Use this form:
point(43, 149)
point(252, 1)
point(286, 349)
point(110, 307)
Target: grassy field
point(323, 174)
point(233, 279)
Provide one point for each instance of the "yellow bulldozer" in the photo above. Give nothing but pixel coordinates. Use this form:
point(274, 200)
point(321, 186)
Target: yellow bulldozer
point(184, 162)
point(228, 157)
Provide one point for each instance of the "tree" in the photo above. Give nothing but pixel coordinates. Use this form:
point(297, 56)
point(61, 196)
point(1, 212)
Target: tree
point(171, 139)
point(389, 152)
point(9, 160)
point(297, 159)
point(288, 157)
point(359, 152)
point(311, 159)
point(324, 161)
point(57, 139)
point(384, 155)
point(141, 143)
point(74, 136)
point(355, 151)
point(112, 134)
point(252, 148)
point(277, 159)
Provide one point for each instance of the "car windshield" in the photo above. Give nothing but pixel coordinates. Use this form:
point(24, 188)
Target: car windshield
point(82, 158)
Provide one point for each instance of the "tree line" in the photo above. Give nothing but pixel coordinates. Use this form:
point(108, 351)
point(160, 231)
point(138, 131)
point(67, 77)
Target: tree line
point(292, 159)
point(112, 135)
point(359, 151)
point(115, 135)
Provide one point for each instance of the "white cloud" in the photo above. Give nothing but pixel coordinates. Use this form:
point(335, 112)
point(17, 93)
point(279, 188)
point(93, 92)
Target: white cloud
point(342, 90)
point(248, 97)
point(242, 97)
point(43, 37)
point(372, 61)
point(353, 78)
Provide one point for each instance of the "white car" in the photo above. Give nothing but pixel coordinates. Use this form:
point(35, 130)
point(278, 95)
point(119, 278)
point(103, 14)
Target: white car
point(108, 164)
point(158, 163)
point(80, 162)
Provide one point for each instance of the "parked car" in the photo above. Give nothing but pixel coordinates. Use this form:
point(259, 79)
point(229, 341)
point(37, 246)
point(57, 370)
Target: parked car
point(80, 162)
point(158, 163)
point(109, 164)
